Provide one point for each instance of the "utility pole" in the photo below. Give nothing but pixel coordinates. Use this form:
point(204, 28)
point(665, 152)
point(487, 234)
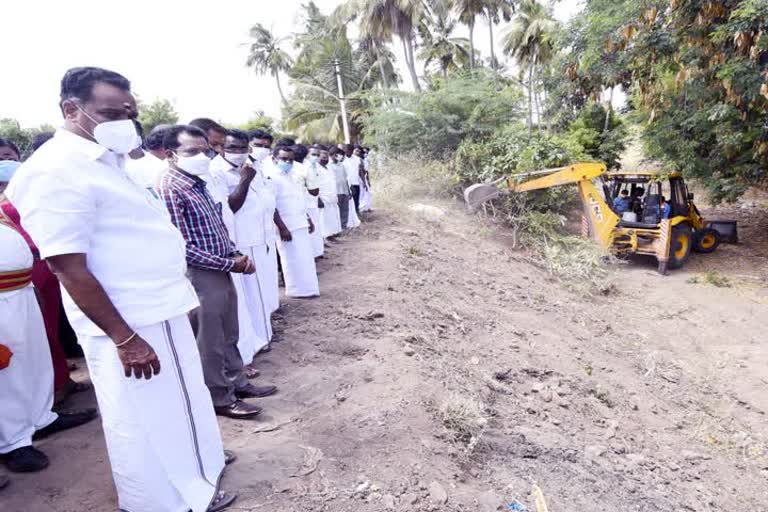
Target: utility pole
point(342, 102)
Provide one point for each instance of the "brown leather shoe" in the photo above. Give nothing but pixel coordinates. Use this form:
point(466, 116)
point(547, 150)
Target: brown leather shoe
point(251, 391)
point(239, 410)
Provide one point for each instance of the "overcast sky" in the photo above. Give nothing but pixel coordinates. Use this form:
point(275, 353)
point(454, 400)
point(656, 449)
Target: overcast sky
point(175, 49)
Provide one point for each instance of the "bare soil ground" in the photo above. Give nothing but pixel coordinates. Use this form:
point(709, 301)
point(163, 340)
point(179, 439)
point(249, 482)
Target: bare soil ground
point(442, 371)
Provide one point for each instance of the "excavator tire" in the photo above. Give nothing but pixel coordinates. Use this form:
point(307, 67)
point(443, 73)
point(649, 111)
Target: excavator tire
point(706, 240)
point(680, 245)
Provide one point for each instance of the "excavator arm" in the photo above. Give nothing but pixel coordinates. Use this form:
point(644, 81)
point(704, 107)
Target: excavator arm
point(599, 219)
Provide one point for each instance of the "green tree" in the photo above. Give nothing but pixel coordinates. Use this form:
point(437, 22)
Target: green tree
point(160, 111)
point(439, 45)
point(12, 130)
point(381, 20)
point(468, 11)
point(267, 57)
point(530, 41)
point(495, 11)
point(258, 121)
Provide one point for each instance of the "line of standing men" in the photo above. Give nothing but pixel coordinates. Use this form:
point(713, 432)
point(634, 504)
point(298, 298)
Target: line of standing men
point(196, 304)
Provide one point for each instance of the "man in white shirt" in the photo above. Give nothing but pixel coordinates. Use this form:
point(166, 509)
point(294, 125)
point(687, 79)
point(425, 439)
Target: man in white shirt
point(147, 168)
point(121, 263)
point(329, 200)
point(305, 175)
point(294, 227)
point(253, 205)
point(261, 156)
point(352, 166)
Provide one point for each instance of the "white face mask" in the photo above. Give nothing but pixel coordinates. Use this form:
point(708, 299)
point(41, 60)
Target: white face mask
point(117, 136)
point(313, 159)
point(259, 154)
point(236, 159)
point(195, 165)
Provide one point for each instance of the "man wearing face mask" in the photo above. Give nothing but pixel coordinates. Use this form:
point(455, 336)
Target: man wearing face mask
point(306, 176)
point(215, 133)
point(211, 256)
point(261, 152)
point(294, 227)
point(254, 207)
point(129, 308)
point(342, 187)
point(148, 167)
point(329, 213)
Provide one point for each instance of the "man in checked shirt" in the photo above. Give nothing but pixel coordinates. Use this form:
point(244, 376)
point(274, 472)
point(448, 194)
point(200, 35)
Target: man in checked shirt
point(211, 256)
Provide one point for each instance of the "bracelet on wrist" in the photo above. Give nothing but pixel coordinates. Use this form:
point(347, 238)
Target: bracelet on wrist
point(122, 343)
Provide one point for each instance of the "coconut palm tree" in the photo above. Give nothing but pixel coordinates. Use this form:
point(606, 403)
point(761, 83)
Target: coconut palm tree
point(468, 11)
point(439, 45)
point(529, 40)
point(267, 57)
point(495, 11)
point(380, 20)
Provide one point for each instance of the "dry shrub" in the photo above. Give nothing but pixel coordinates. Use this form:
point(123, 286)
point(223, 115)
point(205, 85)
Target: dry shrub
point(404, 177)
point(464, 417)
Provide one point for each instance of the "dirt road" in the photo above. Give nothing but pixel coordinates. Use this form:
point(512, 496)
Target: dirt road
point(441, 371)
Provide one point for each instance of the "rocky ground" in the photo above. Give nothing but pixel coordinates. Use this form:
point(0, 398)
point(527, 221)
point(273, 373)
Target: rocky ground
point(440, 370)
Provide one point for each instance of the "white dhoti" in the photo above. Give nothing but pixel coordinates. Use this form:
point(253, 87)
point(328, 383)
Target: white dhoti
point(298, 261)
point(330, 219)
point(249, 340)
point(318, 248)
point(353, 221)
point(26, 385)
point(162, 436)
point(366, 199)
point(266, 267)
point(256, 290)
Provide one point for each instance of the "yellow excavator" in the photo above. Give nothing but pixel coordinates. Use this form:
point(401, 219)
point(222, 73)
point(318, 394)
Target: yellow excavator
point(643, 228)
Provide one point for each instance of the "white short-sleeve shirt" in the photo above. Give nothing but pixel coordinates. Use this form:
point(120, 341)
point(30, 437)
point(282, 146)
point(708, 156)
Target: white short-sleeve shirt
point(352, 166)
point(74, 196)
point(290, 198)
point(254, 221)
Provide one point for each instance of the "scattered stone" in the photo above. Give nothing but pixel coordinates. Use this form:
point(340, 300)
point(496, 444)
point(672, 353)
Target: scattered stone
point(388, 501)
point(437, 493)
point(594, 451)
point(475, 360)
point(692, 456)
point(410, 352)
point(410, 498)
point(363, 488)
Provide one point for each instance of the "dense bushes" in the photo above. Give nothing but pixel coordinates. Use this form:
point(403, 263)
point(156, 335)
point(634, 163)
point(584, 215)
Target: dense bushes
point(434, 123)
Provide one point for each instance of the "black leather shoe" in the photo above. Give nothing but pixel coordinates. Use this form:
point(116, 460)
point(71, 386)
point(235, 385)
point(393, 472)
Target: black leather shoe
point(251, 391)
point(239, 410)
point(25, 460)
point(65, 421)
point(229, 457)
point(4, 481)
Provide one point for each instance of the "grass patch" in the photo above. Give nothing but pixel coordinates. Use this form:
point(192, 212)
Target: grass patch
point(713, 278)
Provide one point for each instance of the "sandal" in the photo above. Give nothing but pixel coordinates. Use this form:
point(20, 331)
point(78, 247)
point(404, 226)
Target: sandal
point(221, 501)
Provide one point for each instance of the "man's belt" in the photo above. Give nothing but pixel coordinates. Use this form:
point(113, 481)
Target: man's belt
point(15, 279)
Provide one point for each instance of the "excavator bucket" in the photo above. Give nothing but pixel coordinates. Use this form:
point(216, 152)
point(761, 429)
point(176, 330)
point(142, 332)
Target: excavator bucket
point(477, 194)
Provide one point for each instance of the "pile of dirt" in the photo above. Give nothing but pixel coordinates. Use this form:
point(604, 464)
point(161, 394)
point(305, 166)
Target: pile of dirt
point(441, 371)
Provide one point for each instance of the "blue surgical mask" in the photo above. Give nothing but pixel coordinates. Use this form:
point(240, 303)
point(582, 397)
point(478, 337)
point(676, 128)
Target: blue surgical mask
point(284, 166)
point(7, 170)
